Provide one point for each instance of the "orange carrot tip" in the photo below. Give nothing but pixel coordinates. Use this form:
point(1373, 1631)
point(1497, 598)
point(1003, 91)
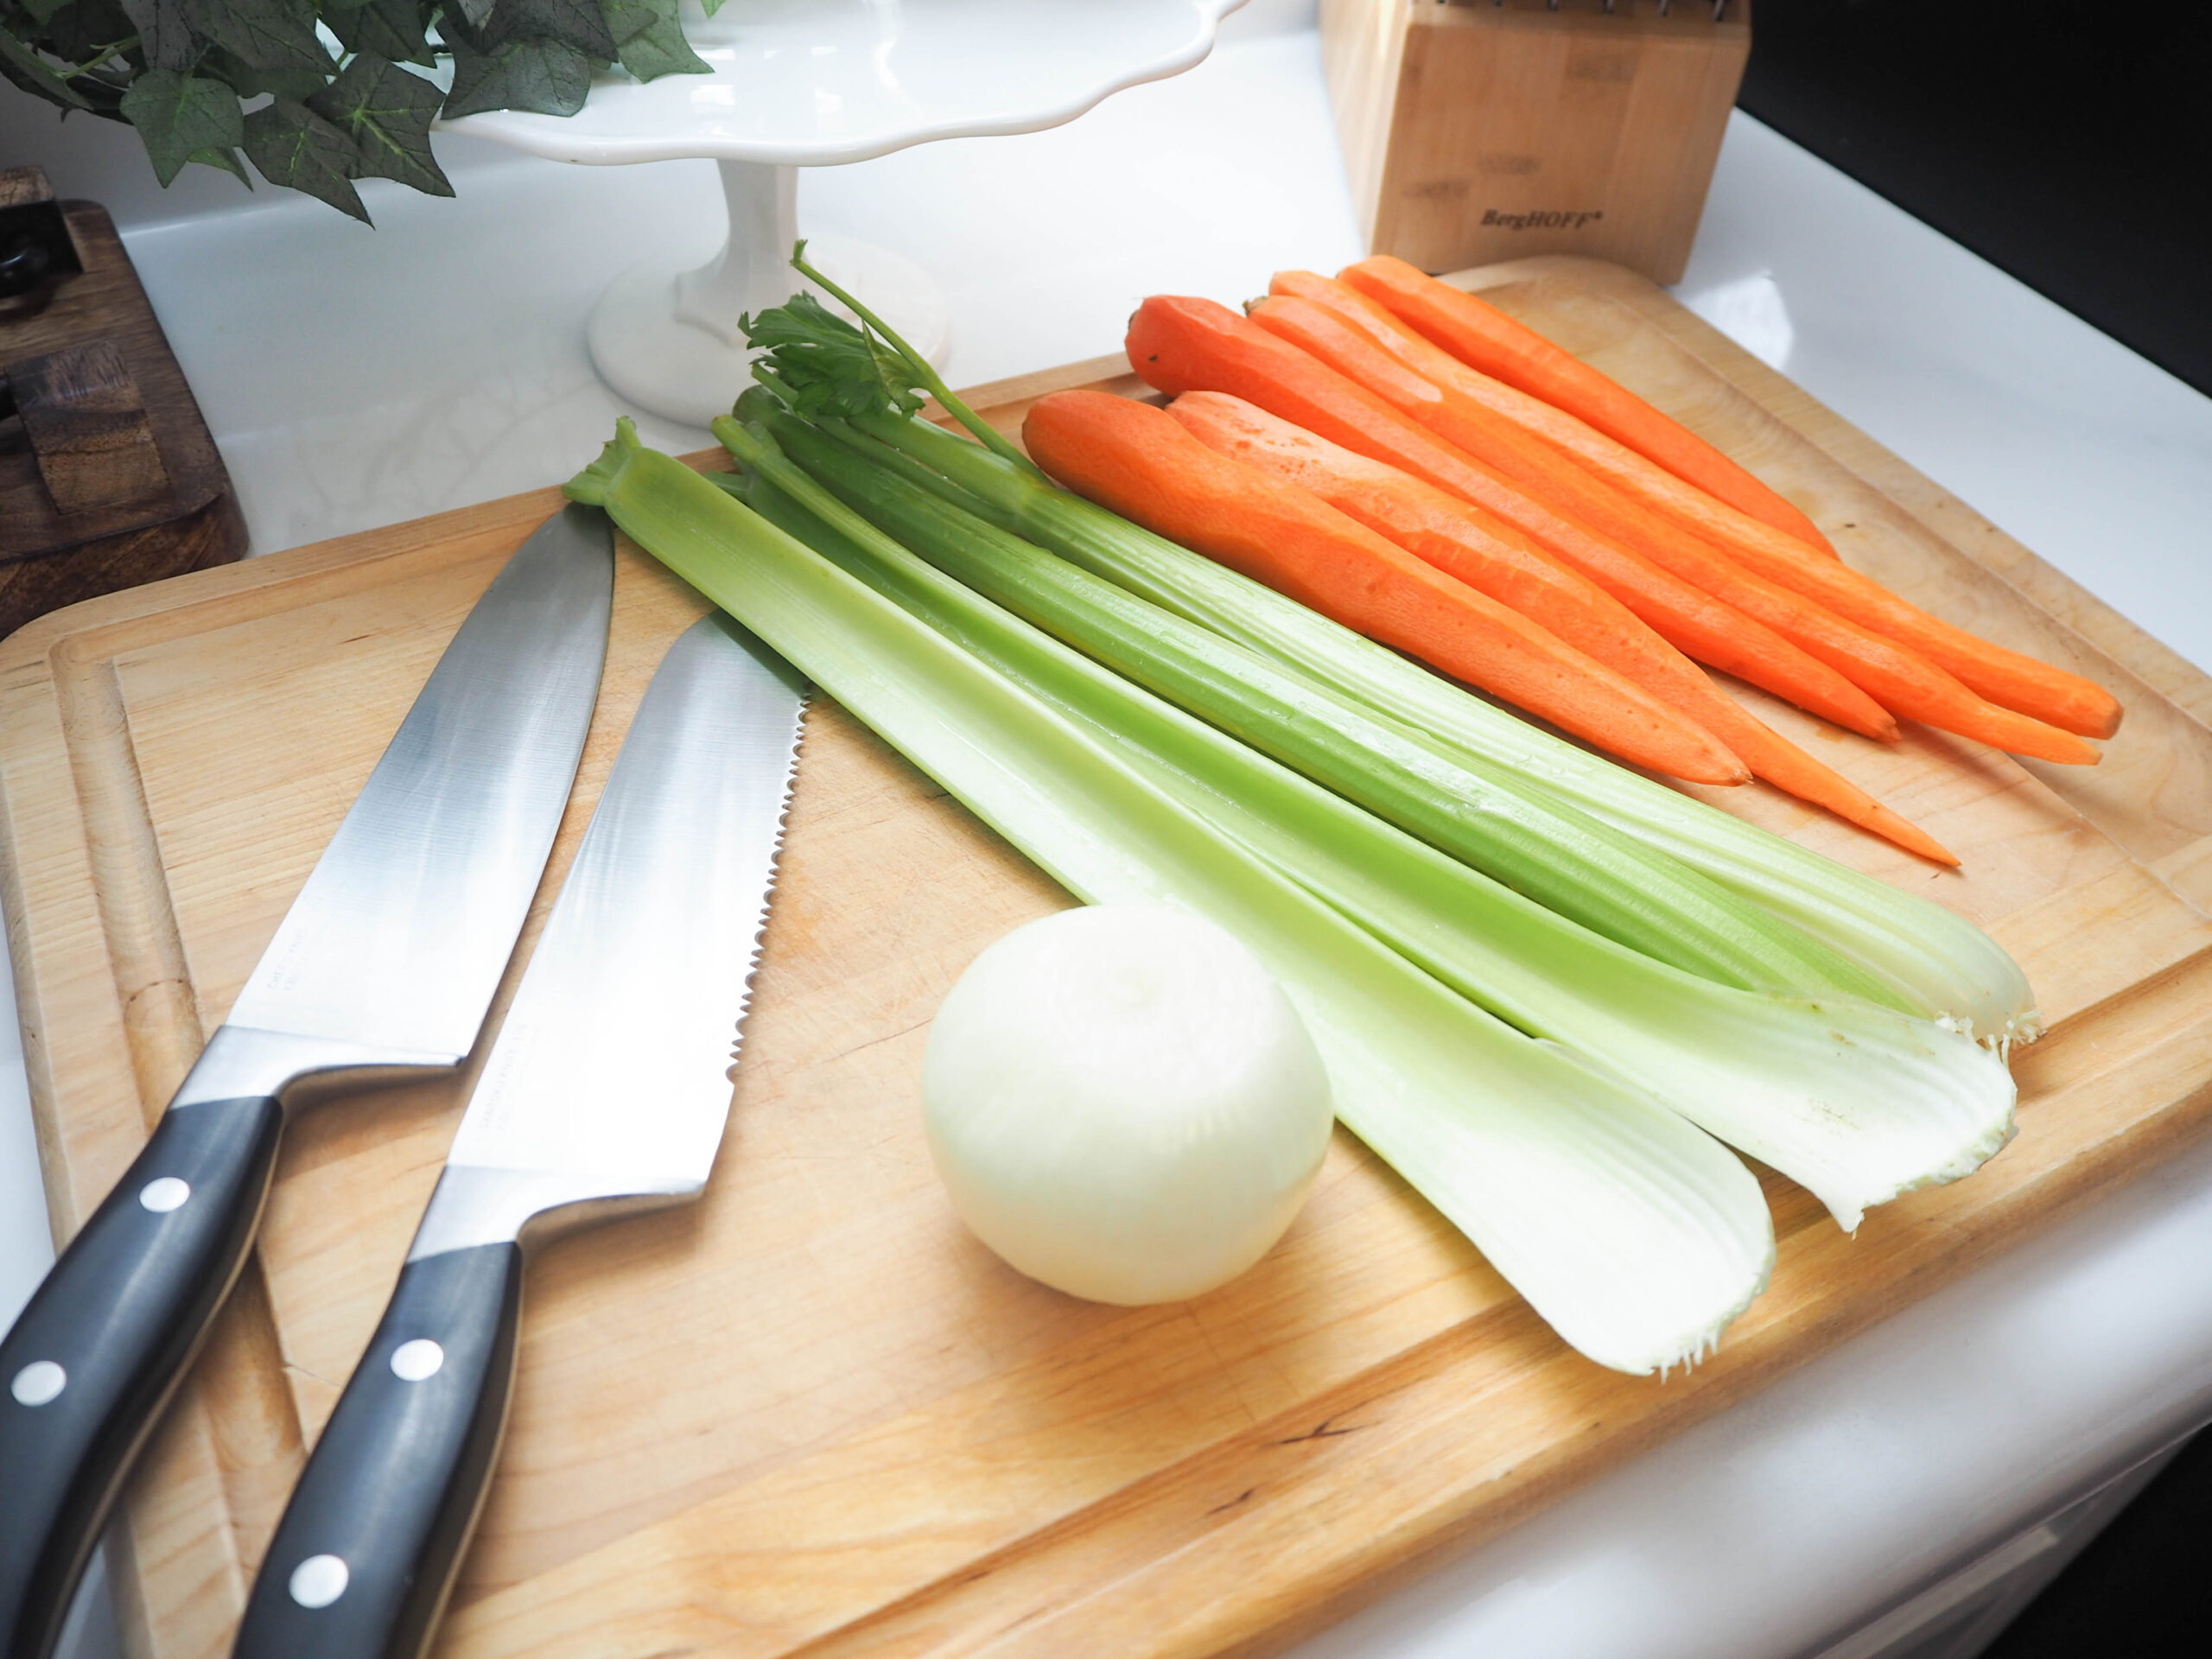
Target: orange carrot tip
point(1909, 835)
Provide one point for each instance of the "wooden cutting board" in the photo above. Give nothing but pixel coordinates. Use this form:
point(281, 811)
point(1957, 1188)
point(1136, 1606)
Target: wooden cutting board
point(810, 1412)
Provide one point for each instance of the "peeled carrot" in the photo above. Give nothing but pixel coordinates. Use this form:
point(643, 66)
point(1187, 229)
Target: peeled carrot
point(1140, 462)
point(1896, 676)
point(1484, 338)
point(2005, 678)
point(1487, 554)
point(1634, 474)
point(1492, 439)
point(1496, 560)
point(1179, 345)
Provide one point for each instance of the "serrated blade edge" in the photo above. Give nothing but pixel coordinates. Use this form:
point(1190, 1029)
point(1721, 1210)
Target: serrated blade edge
point(612, 1068)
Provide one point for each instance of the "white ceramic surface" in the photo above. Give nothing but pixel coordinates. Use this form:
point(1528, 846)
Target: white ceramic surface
point(2098, 460)
point(812, 83)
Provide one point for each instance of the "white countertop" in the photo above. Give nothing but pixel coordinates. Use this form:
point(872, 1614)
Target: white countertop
point(356, 379)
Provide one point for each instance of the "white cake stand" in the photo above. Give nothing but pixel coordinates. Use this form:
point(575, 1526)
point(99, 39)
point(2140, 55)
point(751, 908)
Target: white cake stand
point(816, 83)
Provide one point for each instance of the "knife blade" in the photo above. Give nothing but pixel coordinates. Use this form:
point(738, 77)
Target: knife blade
point(606, 1093)
point(385, 964)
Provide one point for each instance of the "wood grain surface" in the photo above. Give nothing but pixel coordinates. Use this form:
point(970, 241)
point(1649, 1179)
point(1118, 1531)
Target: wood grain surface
point(810, 1413)
point(1479, 130)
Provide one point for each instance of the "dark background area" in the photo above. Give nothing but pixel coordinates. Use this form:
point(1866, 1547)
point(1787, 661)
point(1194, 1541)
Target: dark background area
point(2071, 146)
point(2140, 1591)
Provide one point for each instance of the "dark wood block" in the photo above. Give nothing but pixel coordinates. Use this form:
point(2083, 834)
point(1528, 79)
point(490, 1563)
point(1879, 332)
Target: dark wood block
point(108, 474)
point(88, 430)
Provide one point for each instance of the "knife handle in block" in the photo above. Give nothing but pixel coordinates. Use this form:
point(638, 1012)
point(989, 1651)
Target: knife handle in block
point(88, 1364)
point(366, 1551)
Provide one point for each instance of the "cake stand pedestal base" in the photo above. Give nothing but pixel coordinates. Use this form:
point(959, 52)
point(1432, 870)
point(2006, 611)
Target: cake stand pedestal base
point(669, 340)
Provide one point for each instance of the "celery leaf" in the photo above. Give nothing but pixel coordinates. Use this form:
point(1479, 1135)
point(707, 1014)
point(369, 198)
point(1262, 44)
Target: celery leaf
point(827, 366)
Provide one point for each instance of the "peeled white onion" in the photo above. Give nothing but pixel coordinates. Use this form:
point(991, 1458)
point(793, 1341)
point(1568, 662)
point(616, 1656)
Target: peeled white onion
point(1123, 1104)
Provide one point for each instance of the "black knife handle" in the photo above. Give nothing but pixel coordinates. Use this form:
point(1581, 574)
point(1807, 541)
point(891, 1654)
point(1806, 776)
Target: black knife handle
point(90, 1362)
point(366, 1551)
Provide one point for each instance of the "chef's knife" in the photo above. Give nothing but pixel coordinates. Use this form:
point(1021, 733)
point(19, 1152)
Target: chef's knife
point(606, 1093)
point(389, 958)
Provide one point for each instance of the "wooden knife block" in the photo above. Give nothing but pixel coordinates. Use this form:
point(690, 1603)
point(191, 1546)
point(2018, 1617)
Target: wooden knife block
point(1478, 130)
point(108, 475)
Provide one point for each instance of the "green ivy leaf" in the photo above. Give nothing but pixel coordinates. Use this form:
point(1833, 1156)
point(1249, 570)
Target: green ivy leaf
point(78, 29)
point(268, 34)
point(651, 39)
point(547, 77)
point(35, 74)
point(163, 35)
point(392, 29)
point(180, 116)
point(298, 85)
point(227, 160)
point(581, 23)
point(188, 64)
point(388, 113)
point(292, 145)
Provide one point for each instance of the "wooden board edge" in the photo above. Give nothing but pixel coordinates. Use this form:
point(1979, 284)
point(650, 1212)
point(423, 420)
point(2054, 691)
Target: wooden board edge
point(1228, 1551)
point(71, 627)
point(1237, 1515)
point(1025, 389)
point(29, 644)
point(34, 645)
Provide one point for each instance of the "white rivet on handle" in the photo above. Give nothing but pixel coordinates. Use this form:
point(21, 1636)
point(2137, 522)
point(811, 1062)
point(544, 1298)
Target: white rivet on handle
point(319, 1580)
point(413, 1360)
point(163, 1193)
point(39, 1381)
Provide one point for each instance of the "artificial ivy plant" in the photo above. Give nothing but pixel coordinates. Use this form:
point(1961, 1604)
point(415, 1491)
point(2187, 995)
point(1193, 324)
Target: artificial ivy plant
point(317, 93)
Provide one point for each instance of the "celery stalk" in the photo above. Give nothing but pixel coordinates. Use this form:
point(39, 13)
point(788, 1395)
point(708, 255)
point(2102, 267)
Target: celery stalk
point(1637, 1236)
point(1856, 1104)
point(1468, 807)
point(1929, 960)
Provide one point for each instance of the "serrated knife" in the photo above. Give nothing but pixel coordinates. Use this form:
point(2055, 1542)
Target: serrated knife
point(606, 1093)
point(384, 967)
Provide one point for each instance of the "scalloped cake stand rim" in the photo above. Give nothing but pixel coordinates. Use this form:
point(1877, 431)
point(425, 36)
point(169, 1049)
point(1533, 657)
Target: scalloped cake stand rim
point(556, 138)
